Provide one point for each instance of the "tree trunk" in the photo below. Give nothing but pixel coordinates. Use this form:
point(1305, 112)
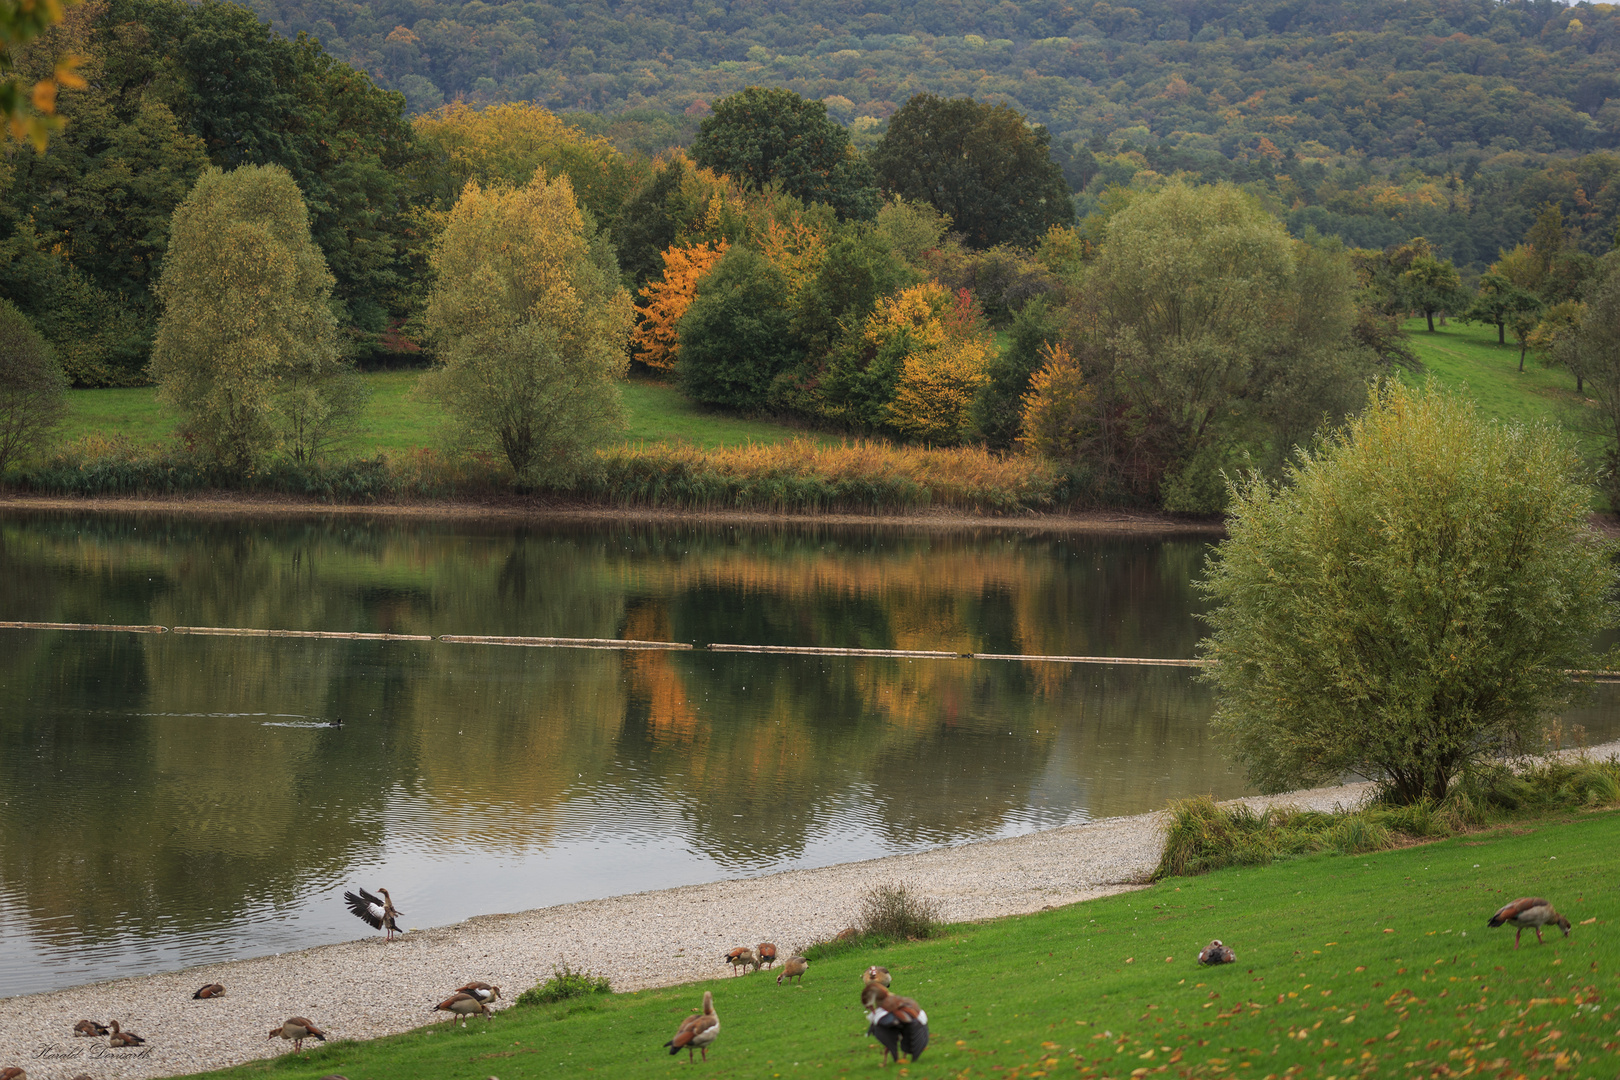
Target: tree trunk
point(1501, 333)
point(1429, 314)
point(1523, 345)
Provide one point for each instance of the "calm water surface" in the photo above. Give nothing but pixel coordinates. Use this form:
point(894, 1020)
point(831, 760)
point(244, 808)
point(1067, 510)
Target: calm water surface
point(169, 800)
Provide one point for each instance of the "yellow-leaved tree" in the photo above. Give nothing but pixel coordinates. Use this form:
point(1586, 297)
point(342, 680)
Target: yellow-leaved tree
point(531, 325)
point(1059, 407)
point(656, 340)
point(513, 142)
point(935, 340)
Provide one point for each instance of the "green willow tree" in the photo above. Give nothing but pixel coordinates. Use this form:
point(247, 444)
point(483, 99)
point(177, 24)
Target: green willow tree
point(33, 390)
point(532, 327)
point(247, 346)
point(1407, 601)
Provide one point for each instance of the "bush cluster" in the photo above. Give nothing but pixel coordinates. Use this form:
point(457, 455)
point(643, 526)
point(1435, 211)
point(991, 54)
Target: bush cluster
point(1203, 836)
point(565, 983)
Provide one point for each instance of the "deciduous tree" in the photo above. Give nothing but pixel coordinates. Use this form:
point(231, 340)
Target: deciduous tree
point(247, 346)
point(657, 340)
point(1407, 601)
point(978, 163)
point(33, 390)
point(532, 326)
point(764, 135)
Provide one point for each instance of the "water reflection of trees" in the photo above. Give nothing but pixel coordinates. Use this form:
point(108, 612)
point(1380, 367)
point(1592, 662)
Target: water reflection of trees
point(168, 800)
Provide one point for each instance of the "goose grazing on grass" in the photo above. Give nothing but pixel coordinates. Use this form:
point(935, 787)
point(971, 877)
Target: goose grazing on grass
point(764, 955)
point(124, 1038)
point(1216, 953)
point(697, 1032)
point(89, 1027)
point(379, 914)
point(876, 974)
point(793, 968)
point(480, 990)
point(463, 1005)
point(899, 1024)
point(740, 957)
point(298, 1028)
point(212, 990)
point(1529, 911)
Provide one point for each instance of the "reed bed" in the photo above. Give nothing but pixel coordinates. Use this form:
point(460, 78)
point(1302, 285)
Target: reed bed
point(862, 476)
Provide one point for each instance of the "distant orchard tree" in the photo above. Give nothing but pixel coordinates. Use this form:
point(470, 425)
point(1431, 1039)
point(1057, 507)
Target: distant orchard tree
point(980, 164)
point(532, 327)
point(762, 135)
point(247, 346)
point(1407, 601)
point(33, 390)
point(1432, 285)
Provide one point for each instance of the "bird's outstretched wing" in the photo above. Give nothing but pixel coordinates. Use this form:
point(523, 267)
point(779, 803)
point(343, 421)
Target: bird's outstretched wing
point(367, 907)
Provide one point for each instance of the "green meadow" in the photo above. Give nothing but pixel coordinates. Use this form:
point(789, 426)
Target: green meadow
point(396, 422)
point(1465, 354)
point(1347, 966)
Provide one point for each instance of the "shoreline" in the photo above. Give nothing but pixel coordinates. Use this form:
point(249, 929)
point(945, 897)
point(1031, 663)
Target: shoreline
point(367, 988)
point(538, 510)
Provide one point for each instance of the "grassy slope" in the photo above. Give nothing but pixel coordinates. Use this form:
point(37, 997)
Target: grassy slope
point(1463, 353)
point(396, 423)
point(1376, 965)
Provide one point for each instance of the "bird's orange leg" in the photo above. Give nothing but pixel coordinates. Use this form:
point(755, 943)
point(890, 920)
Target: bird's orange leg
point(1516, 934)
point(1538, 935)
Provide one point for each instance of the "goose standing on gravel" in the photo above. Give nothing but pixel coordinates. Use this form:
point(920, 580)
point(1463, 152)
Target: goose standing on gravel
point(298, 1028)
point(13, 1072)
point(898, 1023)
point(89, 1027)
point(793, 968)
point(124, 1038)
point(1529, 911)
point(697, 1031)
point(740, 957)
point(379, 914)
point(764, 955)
point(212, 990)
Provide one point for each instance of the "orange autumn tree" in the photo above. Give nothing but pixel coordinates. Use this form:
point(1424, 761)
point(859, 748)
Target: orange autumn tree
point(656, 339)
point(1059, 407)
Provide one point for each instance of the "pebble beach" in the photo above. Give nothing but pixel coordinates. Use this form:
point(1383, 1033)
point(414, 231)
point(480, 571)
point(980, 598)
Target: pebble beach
point(368, 987)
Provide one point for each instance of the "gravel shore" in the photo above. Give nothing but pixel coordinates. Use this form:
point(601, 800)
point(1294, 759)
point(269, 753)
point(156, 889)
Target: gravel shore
point(365, 988)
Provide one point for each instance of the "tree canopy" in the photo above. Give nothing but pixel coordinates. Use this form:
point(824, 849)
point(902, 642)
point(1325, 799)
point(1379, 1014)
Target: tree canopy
point(978, 164)
point(1407, 602)
point(763, 135)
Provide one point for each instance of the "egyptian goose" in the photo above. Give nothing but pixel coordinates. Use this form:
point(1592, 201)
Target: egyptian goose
point(1529, 911)
point(298, 1028)
point(898, 1023)
point(1216, 953)
point(764, 955)
point(876, 974)
point(480, 990)
point(89, 1027)
point(848, 933)
point(379, 914)
point(463, 1005)
point(12, 1072)
point(740, 957)
point(212, 990)
point(792, 968)
point(697, 1031)
point(123, 1038)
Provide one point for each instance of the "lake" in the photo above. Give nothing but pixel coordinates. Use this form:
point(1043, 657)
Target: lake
point(171, 799)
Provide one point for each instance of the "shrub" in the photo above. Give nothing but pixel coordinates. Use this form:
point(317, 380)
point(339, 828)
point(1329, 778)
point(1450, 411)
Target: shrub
point(898, 912)
point(565, 983)
point(1408, 603)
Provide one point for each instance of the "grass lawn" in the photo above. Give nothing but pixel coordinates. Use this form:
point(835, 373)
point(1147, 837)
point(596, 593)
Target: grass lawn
point(396, 423)
point(1368, 966)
